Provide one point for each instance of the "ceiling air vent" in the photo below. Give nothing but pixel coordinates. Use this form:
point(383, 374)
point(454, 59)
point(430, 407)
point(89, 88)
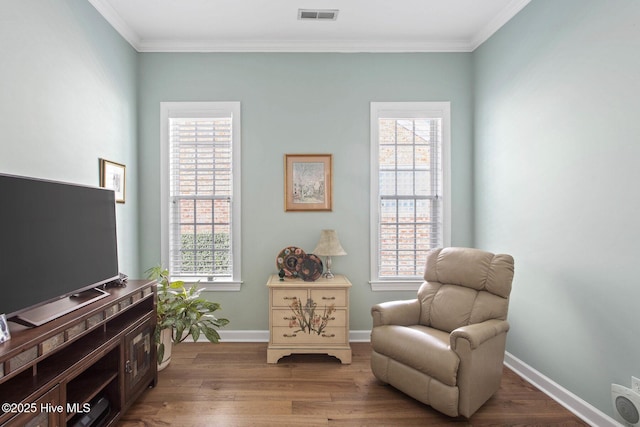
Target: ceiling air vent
point(318, 14)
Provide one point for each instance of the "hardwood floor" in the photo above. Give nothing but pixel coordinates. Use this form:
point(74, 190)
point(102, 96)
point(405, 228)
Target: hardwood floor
point(230, 384)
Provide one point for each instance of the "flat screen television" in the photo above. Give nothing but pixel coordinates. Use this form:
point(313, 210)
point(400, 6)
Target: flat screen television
point(57, 243)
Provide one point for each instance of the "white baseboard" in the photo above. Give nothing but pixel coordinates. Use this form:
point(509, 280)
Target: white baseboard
point(242, 336)
point(263, 336)
point(359, 336)
point(588, 413)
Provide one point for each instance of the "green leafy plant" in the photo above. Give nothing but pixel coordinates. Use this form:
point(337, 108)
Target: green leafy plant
point(183, 311)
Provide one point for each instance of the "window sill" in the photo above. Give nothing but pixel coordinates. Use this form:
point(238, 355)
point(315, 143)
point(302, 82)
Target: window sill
point(226, 286)
point(395, 285)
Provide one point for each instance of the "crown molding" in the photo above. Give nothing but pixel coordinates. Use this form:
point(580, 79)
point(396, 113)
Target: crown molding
point(498, 22)
point(116, 21)
point(339, 46)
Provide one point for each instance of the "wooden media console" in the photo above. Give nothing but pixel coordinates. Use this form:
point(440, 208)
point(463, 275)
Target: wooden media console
point(68, 370)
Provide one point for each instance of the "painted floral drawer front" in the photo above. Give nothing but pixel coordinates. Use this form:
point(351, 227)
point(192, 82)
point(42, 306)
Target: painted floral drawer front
point(308, 317)
point(331, 335)
point(285, 318)
point(284, 297)
point(337, 297)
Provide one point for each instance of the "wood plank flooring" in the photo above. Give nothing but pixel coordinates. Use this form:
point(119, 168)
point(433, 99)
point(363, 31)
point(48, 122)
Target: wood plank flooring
point(230, 384)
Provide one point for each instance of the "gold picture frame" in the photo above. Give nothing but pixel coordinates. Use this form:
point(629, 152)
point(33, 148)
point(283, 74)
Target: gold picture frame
point(113, 177)
point(308, 182)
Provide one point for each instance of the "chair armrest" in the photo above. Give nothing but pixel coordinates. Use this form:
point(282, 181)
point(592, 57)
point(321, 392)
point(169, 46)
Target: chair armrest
point(480, 348)
point(478, 333)
point(404, 313)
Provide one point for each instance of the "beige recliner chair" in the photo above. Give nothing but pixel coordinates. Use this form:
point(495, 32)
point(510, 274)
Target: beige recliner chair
point(446, 348)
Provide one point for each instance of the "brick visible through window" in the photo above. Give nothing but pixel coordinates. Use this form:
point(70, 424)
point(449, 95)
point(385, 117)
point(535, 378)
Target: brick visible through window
point(408, 184)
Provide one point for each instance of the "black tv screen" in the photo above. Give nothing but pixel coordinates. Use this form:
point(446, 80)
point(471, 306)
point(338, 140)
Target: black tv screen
point(56, 239)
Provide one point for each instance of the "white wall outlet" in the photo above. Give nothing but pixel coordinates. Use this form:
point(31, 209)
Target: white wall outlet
point(635, 384)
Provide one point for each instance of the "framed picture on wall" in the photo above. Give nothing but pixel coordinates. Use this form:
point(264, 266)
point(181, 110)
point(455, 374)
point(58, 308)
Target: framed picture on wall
point(113, 176)
point(308, 182)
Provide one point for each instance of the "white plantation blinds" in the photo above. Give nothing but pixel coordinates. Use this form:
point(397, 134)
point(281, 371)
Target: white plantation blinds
point(201, 197)
point(408, 184)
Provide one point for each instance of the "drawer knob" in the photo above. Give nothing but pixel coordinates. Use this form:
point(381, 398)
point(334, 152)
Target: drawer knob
point(328, 336)
point(288, 298)
point(329, 298)
point(289, 336)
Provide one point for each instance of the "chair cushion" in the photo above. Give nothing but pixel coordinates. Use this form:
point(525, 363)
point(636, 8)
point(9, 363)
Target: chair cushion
point(472, 268)
point(464, 286)
point(423, 348)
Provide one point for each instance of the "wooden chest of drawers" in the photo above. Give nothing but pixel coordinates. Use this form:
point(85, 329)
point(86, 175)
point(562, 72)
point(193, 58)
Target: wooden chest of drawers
point(309, 317)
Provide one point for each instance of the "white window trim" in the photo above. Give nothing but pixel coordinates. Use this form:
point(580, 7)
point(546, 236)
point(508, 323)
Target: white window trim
point(404, 110)
point(202, 109)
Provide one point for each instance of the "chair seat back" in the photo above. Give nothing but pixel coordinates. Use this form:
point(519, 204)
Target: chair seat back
point(464, 286)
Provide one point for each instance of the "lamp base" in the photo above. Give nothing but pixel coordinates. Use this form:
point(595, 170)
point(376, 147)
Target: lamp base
point(328, 274)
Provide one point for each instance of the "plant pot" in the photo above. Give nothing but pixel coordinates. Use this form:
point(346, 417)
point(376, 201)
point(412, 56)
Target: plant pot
point(165, 338)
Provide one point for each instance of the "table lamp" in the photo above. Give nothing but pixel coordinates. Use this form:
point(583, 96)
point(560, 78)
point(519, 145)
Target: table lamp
point(329, 246)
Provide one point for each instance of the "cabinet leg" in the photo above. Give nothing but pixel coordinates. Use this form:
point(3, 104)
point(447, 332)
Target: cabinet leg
point(274, 355)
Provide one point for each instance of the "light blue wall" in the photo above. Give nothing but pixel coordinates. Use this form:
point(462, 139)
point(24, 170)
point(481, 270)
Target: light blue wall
point(556, 158)
point(302, 103)
point(67, 98)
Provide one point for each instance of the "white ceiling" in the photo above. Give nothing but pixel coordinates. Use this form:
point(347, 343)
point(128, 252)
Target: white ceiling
point(273, 25)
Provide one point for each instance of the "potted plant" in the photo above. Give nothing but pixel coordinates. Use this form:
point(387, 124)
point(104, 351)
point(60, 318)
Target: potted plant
point(181, 312)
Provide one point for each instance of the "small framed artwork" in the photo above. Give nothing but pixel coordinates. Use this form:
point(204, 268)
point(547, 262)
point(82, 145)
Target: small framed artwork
point(308, 182)
point(113, 177)
point(4, 329)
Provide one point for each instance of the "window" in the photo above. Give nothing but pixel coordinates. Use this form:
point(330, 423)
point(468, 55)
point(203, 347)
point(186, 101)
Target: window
point(409, 190)
point(201, 192)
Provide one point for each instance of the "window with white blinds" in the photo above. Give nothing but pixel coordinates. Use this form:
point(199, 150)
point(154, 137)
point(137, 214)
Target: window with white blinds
point(409, 206)
point(202, 192)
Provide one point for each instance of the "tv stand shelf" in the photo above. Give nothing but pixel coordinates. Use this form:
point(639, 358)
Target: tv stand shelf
point(53, 374)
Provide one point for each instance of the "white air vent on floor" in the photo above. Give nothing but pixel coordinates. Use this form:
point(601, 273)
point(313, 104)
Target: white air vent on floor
point(318, 14)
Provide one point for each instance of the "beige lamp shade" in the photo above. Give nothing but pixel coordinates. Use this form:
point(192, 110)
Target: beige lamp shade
point(329, 245)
